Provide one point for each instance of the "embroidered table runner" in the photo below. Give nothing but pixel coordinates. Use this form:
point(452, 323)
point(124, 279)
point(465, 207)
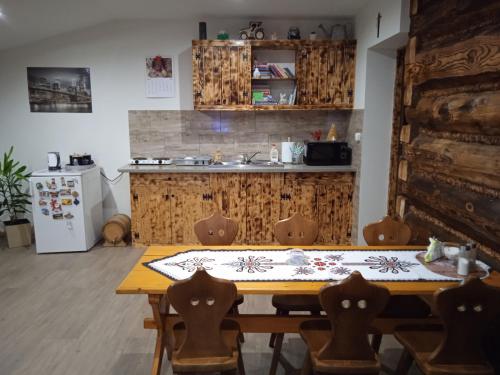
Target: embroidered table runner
point(319, 265)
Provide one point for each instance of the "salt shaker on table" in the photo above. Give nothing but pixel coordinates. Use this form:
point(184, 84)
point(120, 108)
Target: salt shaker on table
point(463, 264)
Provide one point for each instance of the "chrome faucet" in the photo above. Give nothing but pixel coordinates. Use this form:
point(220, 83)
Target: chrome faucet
point(246, 159)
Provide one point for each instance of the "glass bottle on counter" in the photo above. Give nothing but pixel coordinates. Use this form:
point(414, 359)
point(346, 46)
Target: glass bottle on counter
point(274, 154)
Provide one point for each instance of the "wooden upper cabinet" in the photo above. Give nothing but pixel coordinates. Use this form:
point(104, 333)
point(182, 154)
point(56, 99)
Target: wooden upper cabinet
point(324, 73)
point(222, 75)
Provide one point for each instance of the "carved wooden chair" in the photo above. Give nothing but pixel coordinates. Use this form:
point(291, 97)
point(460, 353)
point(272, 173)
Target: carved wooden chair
point(294, 231)
point(454, 348)
point(216, 230)
point(204, 341)
point(340, 345)
point(391, 232)
point(387, 232)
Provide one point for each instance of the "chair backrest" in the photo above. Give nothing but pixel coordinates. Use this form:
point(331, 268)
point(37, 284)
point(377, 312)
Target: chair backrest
point(387, 232)
point(202, 301)
point(465, 311)
point(296, 231)
point(351, 306)
point(216, 230)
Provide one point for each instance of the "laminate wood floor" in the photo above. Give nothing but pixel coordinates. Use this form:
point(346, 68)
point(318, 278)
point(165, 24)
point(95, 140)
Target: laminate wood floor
point(59, 314)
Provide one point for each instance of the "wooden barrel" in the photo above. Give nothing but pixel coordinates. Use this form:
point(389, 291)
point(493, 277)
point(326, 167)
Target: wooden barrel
point(116, 230)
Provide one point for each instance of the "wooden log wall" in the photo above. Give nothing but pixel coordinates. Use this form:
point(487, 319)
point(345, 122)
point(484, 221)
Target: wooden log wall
point(446, 139)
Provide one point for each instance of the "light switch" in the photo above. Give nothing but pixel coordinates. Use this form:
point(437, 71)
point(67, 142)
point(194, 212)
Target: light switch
point(357, 137)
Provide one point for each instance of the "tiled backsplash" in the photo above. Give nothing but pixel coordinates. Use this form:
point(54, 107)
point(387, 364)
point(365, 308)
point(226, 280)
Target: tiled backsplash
point(180, 133)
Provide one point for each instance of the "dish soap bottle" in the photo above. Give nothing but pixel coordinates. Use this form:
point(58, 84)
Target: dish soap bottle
point(274, 154)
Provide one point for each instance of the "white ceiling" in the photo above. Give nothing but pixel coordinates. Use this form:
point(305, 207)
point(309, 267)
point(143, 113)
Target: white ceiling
point(26, 21)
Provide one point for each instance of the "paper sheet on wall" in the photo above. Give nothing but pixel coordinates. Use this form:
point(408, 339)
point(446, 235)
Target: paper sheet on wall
point(160, 88)
point(159, 77)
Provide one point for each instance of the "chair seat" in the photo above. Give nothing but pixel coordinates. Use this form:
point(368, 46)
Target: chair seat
point(406, 307)
point(316, 334)
point(298, 302)
point(230, 331)
point(422, 341)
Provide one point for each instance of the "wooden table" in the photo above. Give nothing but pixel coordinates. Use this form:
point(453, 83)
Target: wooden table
point(142, 280)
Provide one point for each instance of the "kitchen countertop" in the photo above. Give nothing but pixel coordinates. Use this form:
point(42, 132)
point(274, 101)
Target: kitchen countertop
point(287, 168)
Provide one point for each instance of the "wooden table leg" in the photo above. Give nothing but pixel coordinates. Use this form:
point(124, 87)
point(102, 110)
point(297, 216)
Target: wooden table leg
point(159, 306)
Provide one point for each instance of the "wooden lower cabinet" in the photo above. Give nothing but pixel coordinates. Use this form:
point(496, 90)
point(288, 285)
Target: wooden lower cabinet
point(165, 206)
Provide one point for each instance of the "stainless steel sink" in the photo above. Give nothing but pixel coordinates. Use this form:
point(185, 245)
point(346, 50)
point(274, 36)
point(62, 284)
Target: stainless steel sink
point(252, 164)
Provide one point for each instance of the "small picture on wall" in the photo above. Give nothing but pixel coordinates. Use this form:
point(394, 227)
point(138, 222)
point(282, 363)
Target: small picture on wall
point(59, 90)
point(159, 67)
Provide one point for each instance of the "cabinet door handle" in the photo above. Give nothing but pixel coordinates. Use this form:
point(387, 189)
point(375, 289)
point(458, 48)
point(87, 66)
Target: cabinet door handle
point(136, 196)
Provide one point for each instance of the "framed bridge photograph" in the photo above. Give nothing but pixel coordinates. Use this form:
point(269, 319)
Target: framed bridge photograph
point(59, 90)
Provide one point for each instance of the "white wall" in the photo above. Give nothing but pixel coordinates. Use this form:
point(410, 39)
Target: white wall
point(375, 73)
point(394, 21)
point(115, 53)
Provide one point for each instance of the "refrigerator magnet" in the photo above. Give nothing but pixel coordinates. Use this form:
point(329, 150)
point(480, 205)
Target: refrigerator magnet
point(41, 202)
point(75, 194)
point(66, 201)
point(70, 183)
point(76, 202)
point(45, 211)
point(63, 181)
point(39, 186)
point(57, 216)
point(53, 184)
point(68, 215)
point(65, 192)
point(54, 194)
point(48, 184)
point(44, 194)
point(55, 205)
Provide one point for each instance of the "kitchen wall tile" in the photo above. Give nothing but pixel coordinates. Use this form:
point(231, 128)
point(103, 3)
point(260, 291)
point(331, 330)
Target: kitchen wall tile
point(208, 121)
point(228, 149)
point(237, 122)
point(252, 138)
point(216, 138)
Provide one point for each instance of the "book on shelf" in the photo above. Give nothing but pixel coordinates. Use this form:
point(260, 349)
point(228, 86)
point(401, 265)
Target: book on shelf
point(276, 71)
point(261, 93)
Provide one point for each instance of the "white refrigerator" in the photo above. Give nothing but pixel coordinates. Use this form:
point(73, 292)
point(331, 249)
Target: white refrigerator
point(67, 209)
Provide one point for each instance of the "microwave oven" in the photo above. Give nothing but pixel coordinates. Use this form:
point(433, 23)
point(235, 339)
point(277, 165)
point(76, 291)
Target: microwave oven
point(327, 153)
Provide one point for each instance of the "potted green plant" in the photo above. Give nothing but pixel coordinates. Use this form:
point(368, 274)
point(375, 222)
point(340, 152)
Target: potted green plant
point(13, 200)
